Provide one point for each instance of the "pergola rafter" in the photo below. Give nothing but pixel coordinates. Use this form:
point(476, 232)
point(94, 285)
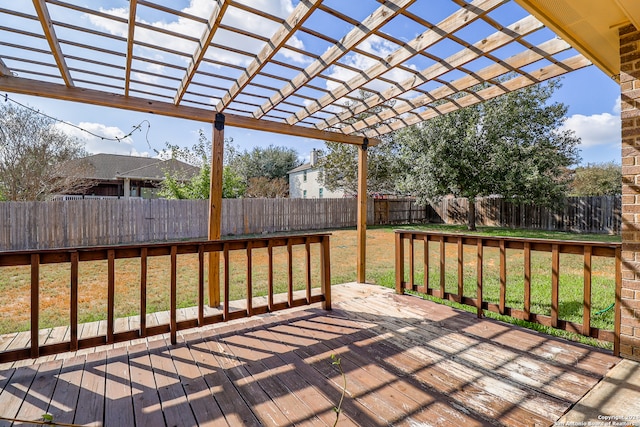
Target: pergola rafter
point(54, 44)
point(133, 5)
point(212, 25)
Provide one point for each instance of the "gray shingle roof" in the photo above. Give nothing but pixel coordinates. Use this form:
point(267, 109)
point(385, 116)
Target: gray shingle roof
point(113, 166)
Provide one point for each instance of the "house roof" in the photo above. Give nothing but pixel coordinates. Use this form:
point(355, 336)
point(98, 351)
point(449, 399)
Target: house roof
point(291, 72)
point(115, 166)
point(301, 168)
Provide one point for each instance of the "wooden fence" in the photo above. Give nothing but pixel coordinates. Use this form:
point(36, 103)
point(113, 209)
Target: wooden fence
point(56, 224)
point(578, 214)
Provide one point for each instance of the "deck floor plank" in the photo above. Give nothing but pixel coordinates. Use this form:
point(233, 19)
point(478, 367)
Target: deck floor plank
point(234, 407)
point(91, 401)
point(15, 392)
point(173, 400)
point(407, 362)
point(146, 402)
point(38, 398)
point(203, 403)
point(118, 394)
point(65, 396)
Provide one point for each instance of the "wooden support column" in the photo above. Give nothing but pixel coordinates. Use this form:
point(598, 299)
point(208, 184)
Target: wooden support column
point(215, 207)
point(362, 211)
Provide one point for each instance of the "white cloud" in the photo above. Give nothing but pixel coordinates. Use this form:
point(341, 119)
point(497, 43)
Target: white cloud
point(98, 144)
point(596, 129)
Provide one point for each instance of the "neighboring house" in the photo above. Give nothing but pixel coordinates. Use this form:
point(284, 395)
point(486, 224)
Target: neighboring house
point(116, 175)
point(305, 183)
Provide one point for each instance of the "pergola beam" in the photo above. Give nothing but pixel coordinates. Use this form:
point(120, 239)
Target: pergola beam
point(372, 23)
point(220, 6)
point(495, 41)
point(300, 14)
point(454, 22)
point(105, 99)
point(52, 39)
point(133, 6)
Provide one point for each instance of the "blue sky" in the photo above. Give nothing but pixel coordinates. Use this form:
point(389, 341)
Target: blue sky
point(592, 98)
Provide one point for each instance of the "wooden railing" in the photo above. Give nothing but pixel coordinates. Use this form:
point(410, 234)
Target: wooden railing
point(526, 247)
point(74, 257)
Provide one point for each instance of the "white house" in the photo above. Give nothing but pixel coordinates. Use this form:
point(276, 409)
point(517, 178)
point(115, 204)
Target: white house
point(305, 183)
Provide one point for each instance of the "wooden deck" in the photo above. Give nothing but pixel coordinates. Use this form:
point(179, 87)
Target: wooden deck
point(407, 362)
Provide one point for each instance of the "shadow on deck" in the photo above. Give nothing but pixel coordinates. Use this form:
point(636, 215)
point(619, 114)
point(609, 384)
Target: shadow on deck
point(406, 361)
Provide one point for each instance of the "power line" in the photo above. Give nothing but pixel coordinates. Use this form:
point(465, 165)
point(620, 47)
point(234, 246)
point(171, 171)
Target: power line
point(102, 137)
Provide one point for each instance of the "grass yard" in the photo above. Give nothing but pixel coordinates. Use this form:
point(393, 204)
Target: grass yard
point(54, 295)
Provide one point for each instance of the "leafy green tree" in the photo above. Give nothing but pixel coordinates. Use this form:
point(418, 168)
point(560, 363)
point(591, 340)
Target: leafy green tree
point(511, 146)
point(270, 162)
point(32, 156)
point(339, 167)
point(197, 187)
point(339, 162)
point(597, 179)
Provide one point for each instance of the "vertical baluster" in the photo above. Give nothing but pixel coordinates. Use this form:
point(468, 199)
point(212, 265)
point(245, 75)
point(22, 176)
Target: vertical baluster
point(249, 280)
point(325, 259)
point(425, 288)
point(143, 291)
point(73, 321)
point(35, 305)
point(442, 266)
point(270, 276)
point(399, 263)
point(527, 280)
point(307, 247)
point(174, 295)
point(479, 280)
point(200, 285)
point(290, 273)
point(586, 305)
point(225, 308)
point(460, 269)
point(411, 263)
point(555, 281)
point(111, 293)
point(503, 276)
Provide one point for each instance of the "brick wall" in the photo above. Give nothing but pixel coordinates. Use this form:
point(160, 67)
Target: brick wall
point(630, 93)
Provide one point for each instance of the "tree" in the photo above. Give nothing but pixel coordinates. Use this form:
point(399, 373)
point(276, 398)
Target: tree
point(32, 156)
point(271, 162)
point(512, 146)
point(198, 187)
point(339, 162)
point(265, 187)
point(597, 179)
point(339, 167)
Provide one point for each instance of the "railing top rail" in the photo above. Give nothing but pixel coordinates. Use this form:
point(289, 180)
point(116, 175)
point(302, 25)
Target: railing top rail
point(95, 253)
point(474, 237)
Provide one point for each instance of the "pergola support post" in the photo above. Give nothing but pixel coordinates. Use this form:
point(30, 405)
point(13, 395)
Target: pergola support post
point(215, 207)
point(628, 299)
point(362, 212)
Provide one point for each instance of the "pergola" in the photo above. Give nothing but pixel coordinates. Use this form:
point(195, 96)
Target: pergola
point(315, 71)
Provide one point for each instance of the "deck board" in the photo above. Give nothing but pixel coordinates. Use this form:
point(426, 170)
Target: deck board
point(407, 362)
